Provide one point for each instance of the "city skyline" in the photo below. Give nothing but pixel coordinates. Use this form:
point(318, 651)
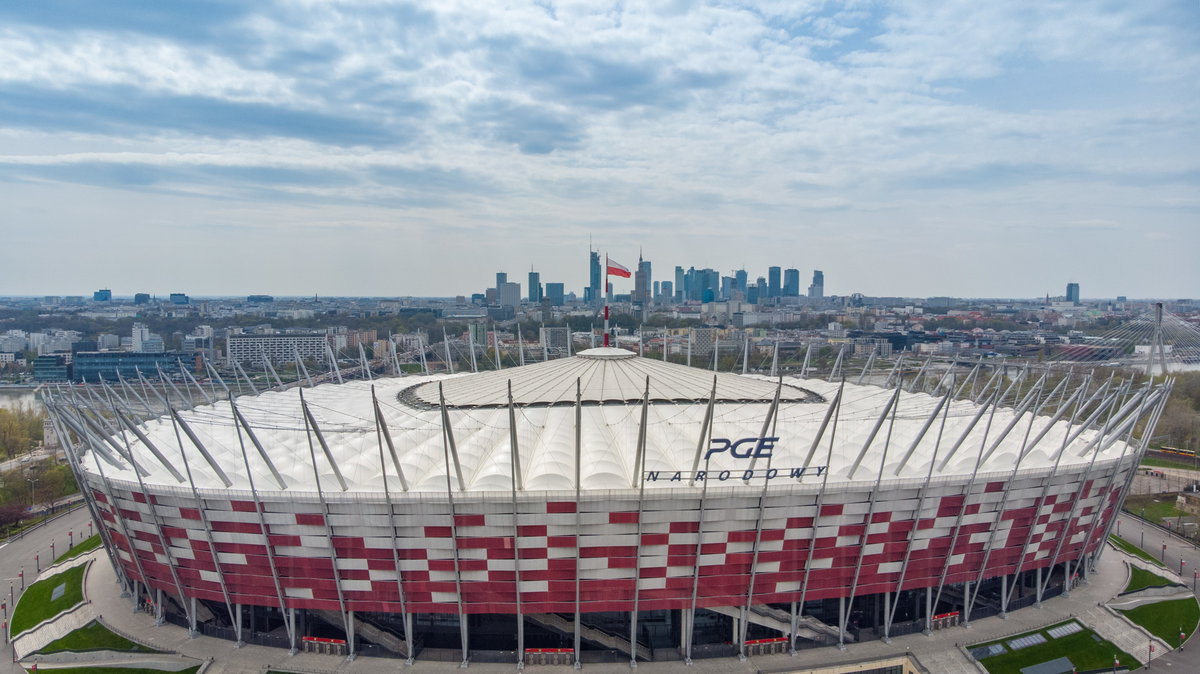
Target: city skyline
point(395, 149)
point(776, 282)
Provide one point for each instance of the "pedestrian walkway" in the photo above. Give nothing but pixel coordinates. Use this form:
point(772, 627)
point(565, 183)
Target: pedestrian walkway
point(1122, 633)
point(62, 624)
point(166, 663)
point(1150, 596)
point(941, 652)
point(1157, 570)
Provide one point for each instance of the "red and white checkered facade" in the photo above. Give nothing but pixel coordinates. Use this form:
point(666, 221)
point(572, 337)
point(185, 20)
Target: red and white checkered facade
point(608, 540)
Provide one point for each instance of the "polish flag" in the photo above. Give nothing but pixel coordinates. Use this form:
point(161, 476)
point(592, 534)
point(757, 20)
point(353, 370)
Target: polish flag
point(615, 268)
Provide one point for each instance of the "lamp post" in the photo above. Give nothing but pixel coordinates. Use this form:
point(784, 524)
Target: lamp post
point(32, 488)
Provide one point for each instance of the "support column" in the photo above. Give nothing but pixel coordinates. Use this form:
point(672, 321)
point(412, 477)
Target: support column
point(705, 435)
point(762, 506)
point(310, 427)
point(577, 664)
point(1004, 596)
point(966, 613)
point(924, 491)
point(202, 509)
point(350, 640)
point(887, 611)
point(1049, 480)
point(262, 521)
point(992, 403)
point(517, 482)
point(158, 606)
point(89, 495)
point(382, 435)
point(290, 618)
point(237, 624)
point(928, 610)
point(841, 623)
point(687, 618)
point(892, 406)
point(794, 623)
point(1038, 589)
point(449, 448)
point(1031, 405)
point(115, 510)
point(640, 466)
point(192, 620)
point(831, 412)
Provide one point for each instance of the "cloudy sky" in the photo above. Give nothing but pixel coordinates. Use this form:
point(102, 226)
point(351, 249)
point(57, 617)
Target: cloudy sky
point(378, 148)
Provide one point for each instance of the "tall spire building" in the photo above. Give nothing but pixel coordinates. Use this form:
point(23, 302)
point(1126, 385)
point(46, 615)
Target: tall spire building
point(642, 283)
point(592, 294)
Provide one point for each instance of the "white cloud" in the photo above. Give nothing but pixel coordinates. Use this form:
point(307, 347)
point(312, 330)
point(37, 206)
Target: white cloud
point(780, 126)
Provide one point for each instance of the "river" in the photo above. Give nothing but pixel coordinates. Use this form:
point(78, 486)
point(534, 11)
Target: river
point(14, 398)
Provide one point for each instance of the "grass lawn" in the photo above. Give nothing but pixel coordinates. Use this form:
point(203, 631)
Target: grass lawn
point(1084, 649)
point(1134, 550)
point(35, 604)
point(113, 670)
point(89, 543)
point(1166, 618)
point(1182, 463)
point(1141, 578)
point(1156, 508)
point(95, 637)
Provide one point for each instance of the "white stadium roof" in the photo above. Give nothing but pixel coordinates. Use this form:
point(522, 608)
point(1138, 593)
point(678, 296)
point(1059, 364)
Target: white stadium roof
point(611, 383)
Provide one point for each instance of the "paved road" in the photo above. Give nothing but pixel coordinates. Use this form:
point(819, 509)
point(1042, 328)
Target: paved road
point(31, 457)
point(1152, 540)
point(19, 553)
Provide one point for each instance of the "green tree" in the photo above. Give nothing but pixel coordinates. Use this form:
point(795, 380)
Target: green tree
point(20, 430)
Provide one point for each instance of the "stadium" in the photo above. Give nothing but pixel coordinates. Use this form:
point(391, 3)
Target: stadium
point(603, 506)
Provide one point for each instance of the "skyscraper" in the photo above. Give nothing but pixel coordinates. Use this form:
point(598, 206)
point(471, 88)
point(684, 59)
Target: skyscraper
point(509, 295)
point(791, 282)
point(554, 293)
point(817, 289)
point(773, 281)
point(1073, 293)
point(535, 287)
point(679, 293)
point(592, 294)
point(501, 279)
point(641, 283)
point(739, 280)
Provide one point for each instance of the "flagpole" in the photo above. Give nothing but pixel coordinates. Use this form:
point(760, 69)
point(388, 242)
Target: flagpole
point(606, 294)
